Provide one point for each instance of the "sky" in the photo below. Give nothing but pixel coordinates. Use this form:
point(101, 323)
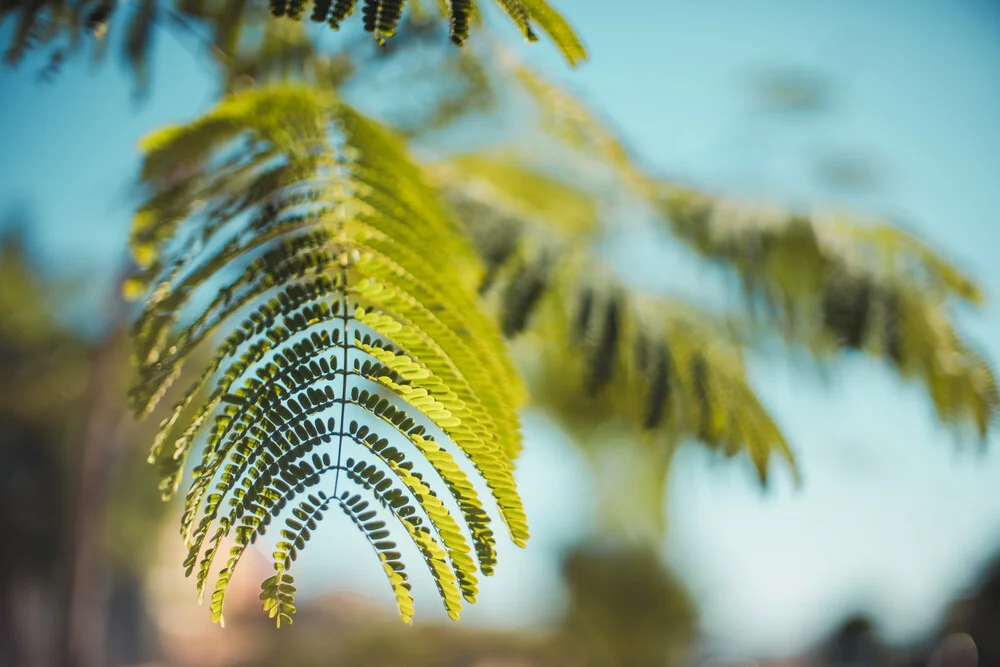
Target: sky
point(892, 518)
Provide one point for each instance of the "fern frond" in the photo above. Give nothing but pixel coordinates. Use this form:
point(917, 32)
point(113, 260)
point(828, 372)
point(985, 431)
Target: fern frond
point(836, 284)
point(286, 52)
point(610, 355)
point(360, 340)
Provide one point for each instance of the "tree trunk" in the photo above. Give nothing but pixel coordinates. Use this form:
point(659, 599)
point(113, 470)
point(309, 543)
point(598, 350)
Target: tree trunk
point(87, 580)
point(99, 458)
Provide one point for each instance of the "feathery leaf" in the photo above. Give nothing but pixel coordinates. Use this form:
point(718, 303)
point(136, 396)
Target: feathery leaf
point(287, 210)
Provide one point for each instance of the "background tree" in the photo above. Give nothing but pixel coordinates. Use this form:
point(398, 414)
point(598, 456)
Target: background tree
point(68, 560)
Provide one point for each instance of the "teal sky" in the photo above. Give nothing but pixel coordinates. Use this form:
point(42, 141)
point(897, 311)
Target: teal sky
point(891, 519)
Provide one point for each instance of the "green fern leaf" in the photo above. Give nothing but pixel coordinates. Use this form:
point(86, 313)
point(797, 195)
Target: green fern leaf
point(358, 339)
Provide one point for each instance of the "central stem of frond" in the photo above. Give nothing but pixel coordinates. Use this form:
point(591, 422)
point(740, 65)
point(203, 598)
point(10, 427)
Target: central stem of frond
point(343, 387)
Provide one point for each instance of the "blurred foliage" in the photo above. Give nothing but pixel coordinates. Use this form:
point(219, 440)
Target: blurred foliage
point(789, 91)
point(134, 510)
point(46, 401)
point(835, 284)
point(606, 352)
point(43, 366)
point(511, 187)
point(284, 52)
point(625, 608)
point(43, 362)
point(46, 364)
point(850, 172)
point(630, 376)
point(580, 132)
point(67, 26)
point(829, 282)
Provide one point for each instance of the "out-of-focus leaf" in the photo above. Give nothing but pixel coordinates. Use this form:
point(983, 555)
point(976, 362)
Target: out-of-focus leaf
point(645, 367)
point(521, 190)
point(834, 284)
point(139, 41)
point(791, 91)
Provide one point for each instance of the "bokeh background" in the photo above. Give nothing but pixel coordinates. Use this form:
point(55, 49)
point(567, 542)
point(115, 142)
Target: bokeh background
point(890, 108)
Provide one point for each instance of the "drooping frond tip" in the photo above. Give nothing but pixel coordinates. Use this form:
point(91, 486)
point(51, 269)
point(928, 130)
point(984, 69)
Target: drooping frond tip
point(356, 371)
point(381, 18)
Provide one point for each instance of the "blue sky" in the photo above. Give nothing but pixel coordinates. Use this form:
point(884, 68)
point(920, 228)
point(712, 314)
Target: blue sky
point(890, 519)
